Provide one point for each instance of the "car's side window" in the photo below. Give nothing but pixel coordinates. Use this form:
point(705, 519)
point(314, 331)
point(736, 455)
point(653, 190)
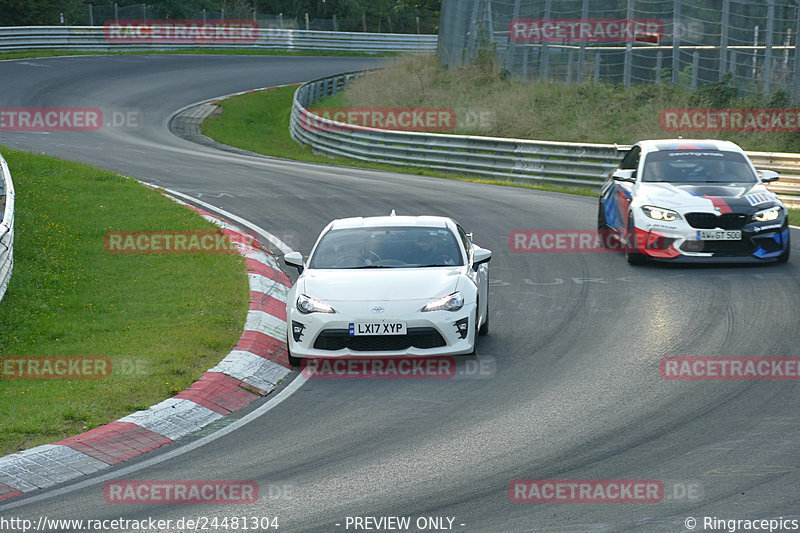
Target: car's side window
point(467, 243)
point(631, 161)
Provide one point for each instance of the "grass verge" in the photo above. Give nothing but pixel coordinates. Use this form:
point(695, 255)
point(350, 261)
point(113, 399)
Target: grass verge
point(162, 319)
point(259, 121)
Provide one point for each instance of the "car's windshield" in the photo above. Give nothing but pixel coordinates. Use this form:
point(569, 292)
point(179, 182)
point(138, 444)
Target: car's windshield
point(693, 166)
point(387, 247)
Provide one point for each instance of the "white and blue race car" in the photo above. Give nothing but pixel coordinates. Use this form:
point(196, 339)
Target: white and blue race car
point(693, 200)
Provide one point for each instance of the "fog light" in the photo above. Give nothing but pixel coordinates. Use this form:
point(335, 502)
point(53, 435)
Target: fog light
point(297, 330)
point(462, 326)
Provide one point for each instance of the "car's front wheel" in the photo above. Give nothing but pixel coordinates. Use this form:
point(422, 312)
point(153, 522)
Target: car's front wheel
point(484, 329)
point(294, 361)
point(631, 247)
point(785, 255)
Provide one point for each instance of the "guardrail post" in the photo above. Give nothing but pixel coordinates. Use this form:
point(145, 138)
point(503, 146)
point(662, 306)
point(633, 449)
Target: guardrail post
point(511, 45)
point(596, 68)
point(544, 58)
point(768, 46)
point(659, 60)
point(723, 38)
point(676, 41)
point(796, 84)
point(582, 46)
point(626, 73)
point(570, 61)
point(525, 54)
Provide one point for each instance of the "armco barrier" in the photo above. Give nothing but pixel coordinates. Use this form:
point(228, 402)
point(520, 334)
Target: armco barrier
point(511, 159)
point(6, 227)
point(93, 38)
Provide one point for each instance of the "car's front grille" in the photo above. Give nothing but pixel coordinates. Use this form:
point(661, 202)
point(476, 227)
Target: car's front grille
point(711, 221)
point(338, 339)
point(721, 248)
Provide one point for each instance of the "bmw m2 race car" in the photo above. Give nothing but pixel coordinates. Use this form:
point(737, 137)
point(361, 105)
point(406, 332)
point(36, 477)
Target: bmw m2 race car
point(388, 286)
point(693, 200)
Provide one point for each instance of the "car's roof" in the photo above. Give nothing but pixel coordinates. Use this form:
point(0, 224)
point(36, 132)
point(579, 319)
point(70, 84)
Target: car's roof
point(392, 221)
point(656, 145)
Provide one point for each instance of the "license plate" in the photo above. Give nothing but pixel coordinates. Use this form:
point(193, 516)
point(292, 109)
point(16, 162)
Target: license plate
point(719, 235)
point(377, 328)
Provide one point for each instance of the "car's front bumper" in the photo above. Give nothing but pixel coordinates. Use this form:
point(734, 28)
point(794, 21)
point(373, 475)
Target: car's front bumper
point(679, 242)
point(323, 335)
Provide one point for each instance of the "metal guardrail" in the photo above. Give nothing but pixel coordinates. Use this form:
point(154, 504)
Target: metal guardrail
point(93, 38)
point(6, 227)
point(511, 159)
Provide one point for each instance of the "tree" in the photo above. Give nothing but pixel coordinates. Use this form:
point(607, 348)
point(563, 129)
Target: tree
point(40, 12)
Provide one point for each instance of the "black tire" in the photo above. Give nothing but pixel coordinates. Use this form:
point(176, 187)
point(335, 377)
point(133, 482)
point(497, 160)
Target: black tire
point(294, 361)
point(484, 329)
point(633, 257)
point(602, 224)
point(785, 255)
point(603, 229)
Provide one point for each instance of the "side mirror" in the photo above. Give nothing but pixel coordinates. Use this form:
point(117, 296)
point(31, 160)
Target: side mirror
point(624, 174)
point(480, 256)
point(768, 176)
point(295, 259)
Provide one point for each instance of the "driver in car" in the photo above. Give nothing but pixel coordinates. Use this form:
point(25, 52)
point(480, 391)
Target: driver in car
point(428, 251)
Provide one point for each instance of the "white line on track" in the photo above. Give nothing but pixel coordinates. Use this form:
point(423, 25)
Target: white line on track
point(282, 246)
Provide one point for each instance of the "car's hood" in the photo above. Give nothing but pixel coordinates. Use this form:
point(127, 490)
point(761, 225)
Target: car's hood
point(705, 196)
point(383, 284)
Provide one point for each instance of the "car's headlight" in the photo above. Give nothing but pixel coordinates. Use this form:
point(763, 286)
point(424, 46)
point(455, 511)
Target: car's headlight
point(765, 215)
point(658, 213)
point(451, 302)
point(307, 305)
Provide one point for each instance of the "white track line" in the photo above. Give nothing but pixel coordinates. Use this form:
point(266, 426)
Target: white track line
point(282, 246)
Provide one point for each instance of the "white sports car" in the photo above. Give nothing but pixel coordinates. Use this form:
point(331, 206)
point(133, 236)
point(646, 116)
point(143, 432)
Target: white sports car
point(388, 286)
point(693, 200)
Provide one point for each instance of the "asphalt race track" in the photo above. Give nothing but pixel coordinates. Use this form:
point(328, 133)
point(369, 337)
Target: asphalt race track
point(570, 386)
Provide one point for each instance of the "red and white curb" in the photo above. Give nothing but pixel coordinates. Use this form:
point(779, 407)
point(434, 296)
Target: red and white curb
point(251, 370)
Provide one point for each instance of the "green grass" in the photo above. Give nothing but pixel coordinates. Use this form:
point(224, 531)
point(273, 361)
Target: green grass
point(30, 54)
point(161, 319)
point(488, 102)
point(259, 122)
